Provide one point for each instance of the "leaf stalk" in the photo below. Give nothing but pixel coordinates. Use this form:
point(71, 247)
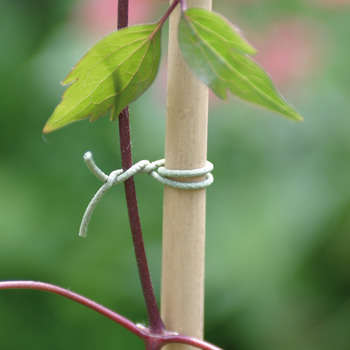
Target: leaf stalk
point(165, 17)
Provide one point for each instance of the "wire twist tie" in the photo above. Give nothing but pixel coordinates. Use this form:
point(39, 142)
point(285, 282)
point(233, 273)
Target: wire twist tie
point(156, 169)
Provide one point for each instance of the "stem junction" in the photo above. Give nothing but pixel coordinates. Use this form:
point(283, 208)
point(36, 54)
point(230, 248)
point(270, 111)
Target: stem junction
point(153, 340)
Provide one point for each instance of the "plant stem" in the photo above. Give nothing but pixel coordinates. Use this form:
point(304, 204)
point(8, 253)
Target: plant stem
point(166, 16)
point(153, 341)
point(156, 324)
point(46, 287)
point(123, 13)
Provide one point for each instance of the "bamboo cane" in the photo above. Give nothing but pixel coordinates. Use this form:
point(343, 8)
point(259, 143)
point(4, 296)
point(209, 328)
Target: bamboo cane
point(182, 299)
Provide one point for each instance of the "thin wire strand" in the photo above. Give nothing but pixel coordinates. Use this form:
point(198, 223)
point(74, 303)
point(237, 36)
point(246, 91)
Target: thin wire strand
point(156, 169)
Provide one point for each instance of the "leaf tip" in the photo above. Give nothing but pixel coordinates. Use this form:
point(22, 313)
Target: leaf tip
point(252, 50)
point(68, 80)
point(47, 129)
point(299, 118)
point(294, 116)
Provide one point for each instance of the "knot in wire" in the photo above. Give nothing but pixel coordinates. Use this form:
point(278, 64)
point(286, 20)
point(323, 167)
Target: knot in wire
point(156, 169)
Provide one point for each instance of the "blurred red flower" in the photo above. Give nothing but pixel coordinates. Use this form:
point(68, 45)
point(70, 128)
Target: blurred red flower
point(288, 51)
point(334, 3)
point(100, 16)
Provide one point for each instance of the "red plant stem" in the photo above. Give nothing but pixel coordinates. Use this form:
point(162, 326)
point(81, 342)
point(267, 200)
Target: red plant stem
point(154, 343)
point(167, 14)
point(156, 324)
point(182, 339)
point(46, 287)
point(123, 13)
point(153, 340)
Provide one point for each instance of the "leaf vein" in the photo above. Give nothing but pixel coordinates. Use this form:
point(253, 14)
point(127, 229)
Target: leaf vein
point(243, 77)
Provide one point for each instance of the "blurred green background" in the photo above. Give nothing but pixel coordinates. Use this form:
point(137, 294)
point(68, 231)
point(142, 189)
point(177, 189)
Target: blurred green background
point(278, 246)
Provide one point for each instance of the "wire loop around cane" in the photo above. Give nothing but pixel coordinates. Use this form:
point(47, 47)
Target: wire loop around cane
point(156, 169)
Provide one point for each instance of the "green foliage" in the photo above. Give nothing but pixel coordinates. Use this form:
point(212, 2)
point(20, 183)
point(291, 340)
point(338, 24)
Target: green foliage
point(115, 72)
point(278, 257)
point(118, 69)
point(217, 53)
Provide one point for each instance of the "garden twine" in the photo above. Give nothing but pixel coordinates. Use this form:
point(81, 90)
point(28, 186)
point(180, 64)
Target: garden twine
point(156, 169)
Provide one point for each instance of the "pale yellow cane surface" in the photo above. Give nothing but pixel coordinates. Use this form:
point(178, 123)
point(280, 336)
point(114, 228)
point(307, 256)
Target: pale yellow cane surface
point(182, 296)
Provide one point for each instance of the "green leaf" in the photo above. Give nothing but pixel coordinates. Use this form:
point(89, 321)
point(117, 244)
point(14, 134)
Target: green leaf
point(115, 72)
point(218, 55)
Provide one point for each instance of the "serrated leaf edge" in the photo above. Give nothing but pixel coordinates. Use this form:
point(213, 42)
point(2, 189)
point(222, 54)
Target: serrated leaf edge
point(296, 115)
point(65, 82)
point(147, 40)
point(251, 51)
point(102, 81)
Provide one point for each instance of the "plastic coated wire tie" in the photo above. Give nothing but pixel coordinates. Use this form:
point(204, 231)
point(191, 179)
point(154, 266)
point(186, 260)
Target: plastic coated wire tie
point(156, 169)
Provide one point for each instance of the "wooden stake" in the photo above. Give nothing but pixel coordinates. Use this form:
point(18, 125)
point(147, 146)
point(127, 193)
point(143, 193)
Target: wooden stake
point(182, 300)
